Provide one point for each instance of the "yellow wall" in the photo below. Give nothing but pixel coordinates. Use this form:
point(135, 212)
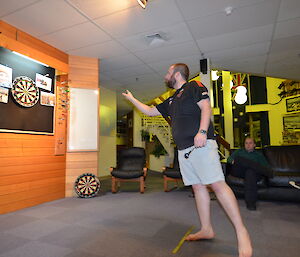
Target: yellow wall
point(108, 121)
point(276, 111)
point(228, 117)
point(137, 121)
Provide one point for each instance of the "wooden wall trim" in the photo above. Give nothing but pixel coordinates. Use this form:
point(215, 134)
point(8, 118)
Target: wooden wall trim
point(21, 42)
point(83, 72)
point(30, 172)
point(21, 48)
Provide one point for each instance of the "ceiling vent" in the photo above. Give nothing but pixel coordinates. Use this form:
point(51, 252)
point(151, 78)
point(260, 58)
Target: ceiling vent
point(156, 39)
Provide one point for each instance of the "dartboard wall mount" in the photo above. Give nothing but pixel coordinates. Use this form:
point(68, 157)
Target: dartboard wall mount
point(24, 91)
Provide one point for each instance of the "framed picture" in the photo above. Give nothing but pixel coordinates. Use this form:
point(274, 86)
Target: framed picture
point(43, 82)
point(47, 99)
point(5, 76)
point(291, 122)
point(3, 95)
point(293, 104)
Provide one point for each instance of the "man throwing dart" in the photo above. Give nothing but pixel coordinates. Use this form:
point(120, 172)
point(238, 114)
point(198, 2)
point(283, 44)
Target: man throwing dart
point(190, 112)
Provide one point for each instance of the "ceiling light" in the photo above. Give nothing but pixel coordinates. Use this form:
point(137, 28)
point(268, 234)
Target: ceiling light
point(241, 95)
point(214, 75)
point(142, 3)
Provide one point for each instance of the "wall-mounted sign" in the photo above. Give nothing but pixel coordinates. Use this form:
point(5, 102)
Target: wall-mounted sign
point(47, 99)
point(291, 122)
point(293, 104)
point(43, 82)
point(3, 95)
point(5, 76)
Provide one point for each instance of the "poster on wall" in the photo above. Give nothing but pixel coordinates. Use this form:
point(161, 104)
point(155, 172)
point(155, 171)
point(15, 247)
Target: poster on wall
point(3, 95)
point(5, 76)
point(43, 82)
point(291, 122)
point(47, 99)
point(293, 104)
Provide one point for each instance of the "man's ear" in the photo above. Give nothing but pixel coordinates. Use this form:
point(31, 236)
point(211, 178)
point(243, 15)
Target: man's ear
point(177, 75)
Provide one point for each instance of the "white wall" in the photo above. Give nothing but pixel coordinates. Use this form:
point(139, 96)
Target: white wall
point(108, 130)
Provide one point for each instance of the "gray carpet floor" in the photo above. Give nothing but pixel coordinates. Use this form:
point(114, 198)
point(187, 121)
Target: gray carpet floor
point(130, 224)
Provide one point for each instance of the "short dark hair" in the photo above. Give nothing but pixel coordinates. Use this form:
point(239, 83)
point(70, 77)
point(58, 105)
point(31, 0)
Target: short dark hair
point(251, 139)
point(183, 69)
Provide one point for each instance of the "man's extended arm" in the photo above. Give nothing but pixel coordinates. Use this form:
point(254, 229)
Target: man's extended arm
point(150, 111)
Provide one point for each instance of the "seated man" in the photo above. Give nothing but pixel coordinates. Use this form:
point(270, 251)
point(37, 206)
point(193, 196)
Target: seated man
point(250, 165)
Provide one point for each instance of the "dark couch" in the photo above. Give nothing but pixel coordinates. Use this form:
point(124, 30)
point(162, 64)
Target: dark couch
point(285, 163)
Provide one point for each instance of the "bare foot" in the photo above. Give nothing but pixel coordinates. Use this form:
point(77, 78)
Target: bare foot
point(244, 243)
point(202, 234)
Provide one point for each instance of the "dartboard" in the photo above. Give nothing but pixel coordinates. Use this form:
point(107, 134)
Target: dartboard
point(87, 185)
point(25, 92)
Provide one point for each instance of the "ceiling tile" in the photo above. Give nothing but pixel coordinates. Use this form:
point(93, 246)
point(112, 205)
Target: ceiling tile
point(246, 17)
point(165, 53)
point(239, 52)
point(192, 9)
point(236, 39)
point(43, 18)
point(110, 84)
point(143, 79)
point(97, 8)
point(8, 7)
point(120, 62)
point(283, 44)
point(193, 63)
point(287, 28)
point(254, 65)
point(172, 34)
point(76, 36)
point(129, 72)
point(289, 9)
point(103, 50)
point(160, 13)
point(289, 57)
point(288, 72)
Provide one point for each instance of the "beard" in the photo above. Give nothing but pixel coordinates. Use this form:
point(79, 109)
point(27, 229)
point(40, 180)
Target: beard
point(171, 82)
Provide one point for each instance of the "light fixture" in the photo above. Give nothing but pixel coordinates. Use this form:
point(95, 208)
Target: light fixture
point(241, 95)
point(214, 75)
point(28, 58)
point(142, 3)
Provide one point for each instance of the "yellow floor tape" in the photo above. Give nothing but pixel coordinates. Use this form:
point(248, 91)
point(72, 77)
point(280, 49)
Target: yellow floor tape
point(176, 249)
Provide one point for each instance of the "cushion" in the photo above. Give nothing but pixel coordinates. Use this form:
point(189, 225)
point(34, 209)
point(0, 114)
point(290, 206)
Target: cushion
point(127, 174)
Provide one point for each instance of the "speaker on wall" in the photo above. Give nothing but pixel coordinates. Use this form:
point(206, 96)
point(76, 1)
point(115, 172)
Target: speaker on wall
point(203, 66)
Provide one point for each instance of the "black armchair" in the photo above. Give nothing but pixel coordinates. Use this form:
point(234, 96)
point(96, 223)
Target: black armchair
point(130, 167)
point(172, 174)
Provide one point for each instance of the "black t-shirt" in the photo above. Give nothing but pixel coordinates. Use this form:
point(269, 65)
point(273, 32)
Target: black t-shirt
point(185, 114)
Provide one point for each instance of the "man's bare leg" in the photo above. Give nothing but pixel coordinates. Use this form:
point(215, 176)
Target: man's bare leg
point(230, 205)
point(202, 199)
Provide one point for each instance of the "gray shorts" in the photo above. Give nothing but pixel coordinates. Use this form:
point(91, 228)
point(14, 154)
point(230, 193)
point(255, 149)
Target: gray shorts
point(203, 165)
